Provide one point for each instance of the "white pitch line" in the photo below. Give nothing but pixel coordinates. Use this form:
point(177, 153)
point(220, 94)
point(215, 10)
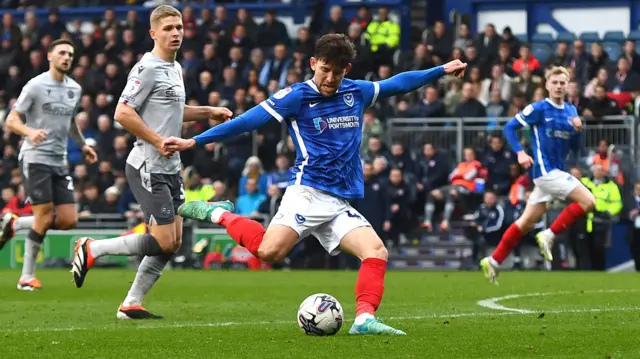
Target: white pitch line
point(492, 303)
point(292, 323)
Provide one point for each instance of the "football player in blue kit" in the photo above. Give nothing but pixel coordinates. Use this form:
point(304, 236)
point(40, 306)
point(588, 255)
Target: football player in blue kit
point(324, 117)
point(555, 127)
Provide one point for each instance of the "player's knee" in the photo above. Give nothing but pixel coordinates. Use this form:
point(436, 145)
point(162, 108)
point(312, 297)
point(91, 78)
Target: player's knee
point(66, 222)
point(271, 254)
point(43, 221)
point(170, 246)
point(453, 193)
point(377, 250)
point(436, 194)
point(588, 203)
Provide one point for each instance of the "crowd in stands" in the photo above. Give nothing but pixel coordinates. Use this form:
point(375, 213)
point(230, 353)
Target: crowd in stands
point(232, 60)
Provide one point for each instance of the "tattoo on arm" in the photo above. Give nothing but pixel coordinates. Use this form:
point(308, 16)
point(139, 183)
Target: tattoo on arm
point(75, 133)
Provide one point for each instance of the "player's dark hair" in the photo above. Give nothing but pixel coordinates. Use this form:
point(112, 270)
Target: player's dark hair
point(335, 49)
point(55, 43)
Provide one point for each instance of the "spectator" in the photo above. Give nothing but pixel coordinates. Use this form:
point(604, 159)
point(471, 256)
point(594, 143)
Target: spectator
point(254, 170)
point(375, 149)
point(363, 63)
point(272, 31)
point(624, 80)
point(469, 106)
point(575, 98)
point(561, 57)
point(579, 63)
point(526, 60)
point(601, 105)
point(463, 183)
point(210, 161)
point(278, 66)
point(439, 41)
point(270, 205)
point(111, 199)
point(489, 220)
point(630, 53)
point(488, 42)
point(498, 81)
point(282, 174)
point(431, 106)
point(16, 204)
point(363, 18)
point(505, 60)
point(464, 37)
point(633, 215)
point(374, 206)
point(250, 199)
point(526, 83)
point(336, 24)
point(609, 163)
point(520, 184)
point(384, 35)
point(399, 198)
point(372, 127)
point(194, 188)
point(90, 202)
point(497, 107)
point(498, 160)
point(510, 40)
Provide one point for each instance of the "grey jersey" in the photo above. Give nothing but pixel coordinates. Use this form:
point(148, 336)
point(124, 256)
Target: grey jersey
point(155, 89)
point(49, 105)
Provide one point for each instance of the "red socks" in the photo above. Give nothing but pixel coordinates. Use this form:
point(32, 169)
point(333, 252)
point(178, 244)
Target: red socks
point(567, 217)
point(246, 232)
point(370, 285)
point(509, 241)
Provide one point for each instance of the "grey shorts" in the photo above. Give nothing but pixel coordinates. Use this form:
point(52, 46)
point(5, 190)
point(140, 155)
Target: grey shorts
point(47, 184)
point(462, 190)
point(159, 195)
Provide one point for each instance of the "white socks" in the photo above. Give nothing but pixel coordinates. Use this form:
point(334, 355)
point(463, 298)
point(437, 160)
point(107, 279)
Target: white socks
point(216, 215)
point(23, 223)
point(362, 318)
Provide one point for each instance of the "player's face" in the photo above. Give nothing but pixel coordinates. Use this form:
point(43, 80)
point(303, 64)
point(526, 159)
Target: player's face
point(168, 33)
point(61, 58)
point(557, 86)
point(327, 77)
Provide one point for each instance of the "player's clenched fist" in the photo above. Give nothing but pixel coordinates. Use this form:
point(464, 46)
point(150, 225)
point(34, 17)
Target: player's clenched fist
point(455, 67)
point(220, 114)
point(577, 124)
point(90, 154)
point(178, 144)
point(524, 159)
point(37, 135)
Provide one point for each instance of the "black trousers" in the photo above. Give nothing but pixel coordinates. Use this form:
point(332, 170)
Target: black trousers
point(634, 246)
point(596, 246)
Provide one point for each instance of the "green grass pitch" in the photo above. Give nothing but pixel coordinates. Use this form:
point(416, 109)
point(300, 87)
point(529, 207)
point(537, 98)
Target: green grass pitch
point(221, 314)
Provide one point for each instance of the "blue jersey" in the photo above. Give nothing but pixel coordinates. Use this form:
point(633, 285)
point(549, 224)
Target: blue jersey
point(326, 130)
point(552, 132)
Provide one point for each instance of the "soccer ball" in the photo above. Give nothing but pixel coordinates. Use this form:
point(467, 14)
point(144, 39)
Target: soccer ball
point(321, 315)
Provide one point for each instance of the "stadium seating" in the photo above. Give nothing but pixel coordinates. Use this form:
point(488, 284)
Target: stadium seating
point(543, 38)
point(541, 51)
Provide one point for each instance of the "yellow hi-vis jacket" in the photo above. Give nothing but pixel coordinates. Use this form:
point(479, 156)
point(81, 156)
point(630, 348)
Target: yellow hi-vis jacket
point(201, 193)
point(383, 33)
point(608, 198)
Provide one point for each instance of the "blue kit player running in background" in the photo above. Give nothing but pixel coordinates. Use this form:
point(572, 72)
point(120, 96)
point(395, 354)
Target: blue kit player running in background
point(555, 128)
point(324, 116)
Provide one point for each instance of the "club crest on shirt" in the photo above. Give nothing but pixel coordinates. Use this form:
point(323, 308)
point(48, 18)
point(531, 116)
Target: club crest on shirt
point(348, 99)
point(320, 124)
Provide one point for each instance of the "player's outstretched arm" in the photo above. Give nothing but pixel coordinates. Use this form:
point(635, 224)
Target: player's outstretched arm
point(199, 113)
point(247, 122)
point(409, 81)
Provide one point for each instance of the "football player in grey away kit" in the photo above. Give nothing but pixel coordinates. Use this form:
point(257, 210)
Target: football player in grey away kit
point(152, 107)
point(47, 104)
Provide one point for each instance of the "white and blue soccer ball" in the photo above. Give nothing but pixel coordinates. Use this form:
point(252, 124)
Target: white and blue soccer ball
point(320, 315)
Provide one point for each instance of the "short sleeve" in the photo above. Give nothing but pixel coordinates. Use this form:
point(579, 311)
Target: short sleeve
point(370, 91)
point(283, 104)
point(530, 115)
point(139, 85)
point(26, 99)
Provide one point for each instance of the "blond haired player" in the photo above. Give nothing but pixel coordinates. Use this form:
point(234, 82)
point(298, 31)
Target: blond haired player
point(152, 107)
point(555, 128)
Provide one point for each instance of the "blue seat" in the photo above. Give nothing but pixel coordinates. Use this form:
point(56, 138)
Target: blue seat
point(522, 37)
point(634, 35)
point(566, 37)
point(590, 36)
point(614, 36)
point(613, 49)
point(542, 52)
point(542, 38)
